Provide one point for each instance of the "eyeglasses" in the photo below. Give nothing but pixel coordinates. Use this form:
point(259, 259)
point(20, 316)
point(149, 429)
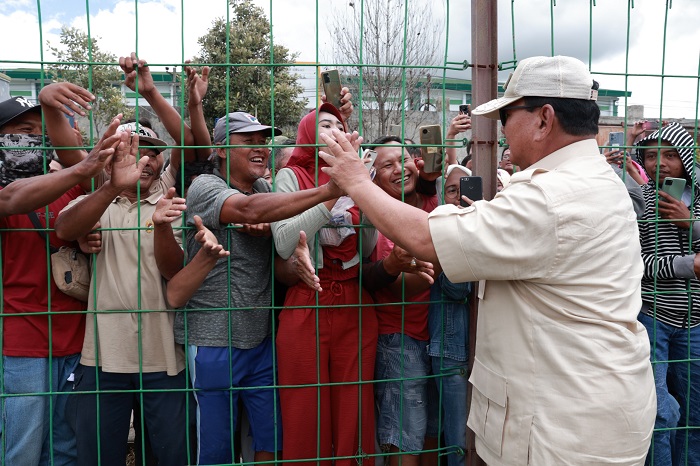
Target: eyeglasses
point(451, 192)
point(504, 116)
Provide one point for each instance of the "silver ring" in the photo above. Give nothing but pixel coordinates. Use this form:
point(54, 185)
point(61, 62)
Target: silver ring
point(413, 263)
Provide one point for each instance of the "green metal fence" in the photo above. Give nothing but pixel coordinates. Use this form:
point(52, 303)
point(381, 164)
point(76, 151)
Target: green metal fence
point(643, 53)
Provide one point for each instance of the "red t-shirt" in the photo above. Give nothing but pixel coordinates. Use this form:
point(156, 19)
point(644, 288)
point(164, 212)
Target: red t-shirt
point(25, 286)
point(415, 321)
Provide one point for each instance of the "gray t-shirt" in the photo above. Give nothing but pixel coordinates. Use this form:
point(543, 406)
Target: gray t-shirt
point(242, 290)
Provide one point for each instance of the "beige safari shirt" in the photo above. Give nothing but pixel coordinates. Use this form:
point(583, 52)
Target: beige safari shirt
point(130, 341)
point(561, 372)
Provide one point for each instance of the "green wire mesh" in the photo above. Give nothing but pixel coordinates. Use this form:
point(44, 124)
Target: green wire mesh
point(621, 24)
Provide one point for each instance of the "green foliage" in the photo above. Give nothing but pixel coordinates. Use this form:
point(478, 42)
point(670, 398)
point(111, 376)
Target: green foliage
point(249, 87)
point(101, 76)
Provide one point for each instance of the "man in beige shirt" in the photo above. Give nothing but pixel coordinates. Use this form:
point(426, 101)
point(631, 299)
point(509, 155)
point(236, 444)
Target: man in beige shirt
point(561, 373)
point(129, 342)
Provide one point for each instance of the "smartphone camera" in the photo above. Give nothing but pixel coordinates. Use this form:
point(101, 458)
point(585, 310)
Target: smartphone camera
point(465, 109)
point(326, 78)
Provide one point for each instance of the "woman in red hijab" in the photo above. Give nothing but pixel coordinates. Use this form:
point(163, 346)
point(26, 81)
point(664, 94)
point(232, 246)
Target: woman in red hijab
point(330, 336)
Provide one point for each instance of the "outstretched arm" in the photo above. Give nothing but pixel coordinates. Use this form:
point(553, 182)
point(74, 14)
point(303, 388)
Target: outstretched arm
point(169, 255)
point(80, 219)
point(388, 215)
point(135, 68)
point(188, 280)
point(197, 86)
point(28, 194)
point(59, 100)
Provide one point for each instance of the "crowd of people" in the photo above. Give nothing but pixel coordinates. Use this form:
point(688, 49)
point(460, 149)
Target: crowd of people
point(372, 262)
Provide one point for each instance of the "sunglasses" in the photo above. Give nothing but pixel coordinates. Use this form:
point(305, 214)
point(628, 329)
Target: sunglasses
point(502, 112)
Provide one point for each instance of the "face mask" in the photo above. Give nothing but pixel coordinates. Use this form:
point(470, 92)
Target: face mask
point(22, 156)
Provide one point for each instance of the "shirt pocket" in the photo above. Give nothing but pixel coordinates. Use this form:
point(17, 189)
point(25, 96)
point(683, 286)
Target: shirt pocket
point(489, 405)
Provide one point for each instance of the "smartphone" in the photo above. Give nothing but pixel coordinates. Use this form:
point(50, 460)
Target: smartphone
point(465, 109)
point(331, 87)
point(650, 125)
point(395, 130)
point(674, 187)
point(431, 135)
point(616, 139)
point(369, 157)
point(471, 187)
point(71, 119)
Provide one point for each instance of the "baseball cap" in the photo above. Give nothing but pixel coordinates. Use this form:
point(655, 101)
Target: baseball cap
point(560, 76)
point(14, 107)
point(145, 135)
point(240, 122)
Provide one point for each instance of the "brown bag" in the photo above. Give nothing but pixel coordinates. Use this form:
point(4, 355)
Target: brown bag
point(70, 267)
point(71, 272)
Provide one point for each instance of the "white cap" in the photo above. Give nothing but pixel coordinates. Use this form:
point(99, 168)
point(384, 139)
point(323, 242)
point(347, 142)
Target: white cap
point(562, 77)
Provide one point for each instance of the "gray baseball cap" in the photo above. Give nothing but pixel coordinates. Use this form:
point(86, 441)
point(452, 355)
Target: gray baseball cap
point(240, 122)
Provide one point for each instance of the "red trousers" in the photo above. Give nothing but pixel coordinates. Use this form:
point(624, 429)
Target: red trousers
point(322, 346)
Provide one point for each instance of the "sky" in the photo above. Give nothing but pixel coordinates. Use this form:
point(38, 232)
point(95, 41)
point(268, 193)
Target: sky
point(163, 37)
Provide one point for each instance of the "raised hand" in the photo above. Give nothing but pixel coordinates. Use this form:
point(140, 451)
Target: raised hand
point(60, 95)
point(459, 124)
point(132, 66)
point(346, 106)
point(103, 151)
point(168, 208)
point(197, 84)
point(301, 261)
point(344, 166)
point(126, 172)
point(210, 245)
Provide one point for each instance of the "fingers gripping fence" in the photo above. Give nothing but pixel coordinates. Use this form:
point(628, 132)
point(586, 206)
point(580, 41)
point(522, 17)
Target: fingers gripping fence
point(343, 374)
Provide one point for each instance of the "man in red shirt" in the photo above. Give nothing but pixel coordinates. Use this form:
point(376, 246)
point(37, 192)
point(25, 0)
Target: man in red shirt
point(41, 346)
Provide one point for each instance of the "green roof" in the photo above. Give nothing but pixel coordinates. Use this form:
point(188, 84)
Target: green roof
point(34, 73)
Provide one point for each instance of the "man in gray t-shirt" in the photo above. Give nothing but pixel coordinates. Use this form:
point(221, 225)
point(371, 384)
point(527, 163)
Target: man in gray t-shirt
point(243, 287)
point(225, 323)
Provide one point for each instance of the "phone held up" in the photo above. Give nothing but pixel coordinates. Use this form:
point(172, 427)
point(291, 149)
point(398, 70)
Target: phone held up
point(431, 136)
point(673, 187)
point(465, 109)
point(369, 157)
point(330, 79)
point(471, 187)
point(395, 130)
point(616, 139)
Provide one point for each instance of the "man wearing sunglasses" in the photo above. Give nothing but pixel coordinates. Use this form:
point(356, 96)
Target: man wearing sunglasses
point(561, 372)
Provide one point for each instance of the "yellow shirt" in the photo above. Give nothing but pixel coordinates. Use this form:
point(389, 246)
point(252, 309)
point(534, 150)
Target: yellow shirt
point(561, 373)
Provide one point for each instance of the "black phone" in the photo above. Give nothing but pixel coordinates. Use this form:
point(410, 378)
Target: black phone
point(330, 79)
point(465, 109)
point(471, 187)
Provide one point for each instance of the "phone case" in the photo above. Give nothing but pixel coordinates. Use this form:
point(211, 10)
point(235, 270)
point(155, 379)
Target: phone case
point(616, 139)
point(330, 80)
point(673, 187)
point(431, 135)
point(471, 187)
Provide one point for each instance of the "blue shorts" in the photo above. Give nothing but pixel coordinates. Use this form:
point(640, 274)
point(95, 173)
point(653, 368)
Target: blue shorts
point(405, 400)
point(217, 373)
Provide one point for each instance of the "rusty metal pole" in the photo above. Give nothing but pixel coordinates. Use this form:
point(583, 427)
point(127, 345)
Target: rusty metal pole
point(484, 88)
point(484, 134)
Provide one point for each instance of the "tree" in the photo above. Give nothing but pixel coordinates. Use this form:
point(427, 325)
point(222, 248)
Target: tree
point(249, 87)
point(84, 64)
point(384, 92)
